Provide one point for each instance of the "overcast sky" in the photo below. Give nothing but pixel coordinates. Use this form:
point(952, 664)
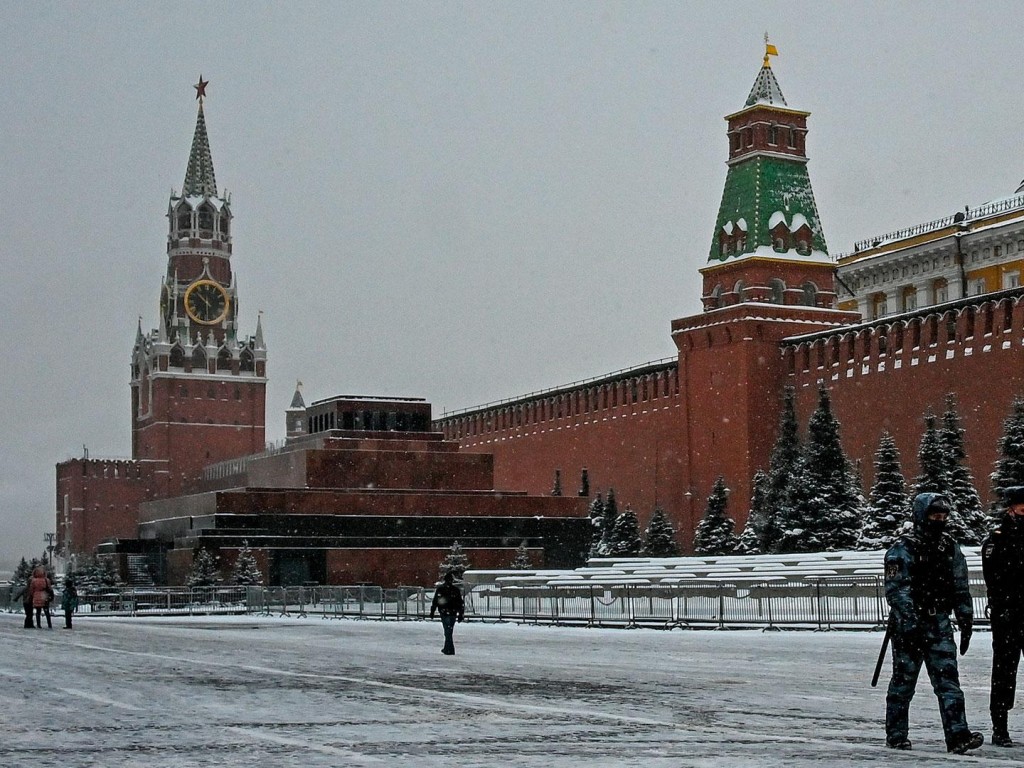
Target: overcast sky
point(457, 201)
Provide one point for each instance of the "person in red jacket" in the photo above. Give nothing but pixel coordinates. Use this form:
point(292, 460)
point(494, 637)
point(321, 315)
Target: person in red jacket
point(41, 590)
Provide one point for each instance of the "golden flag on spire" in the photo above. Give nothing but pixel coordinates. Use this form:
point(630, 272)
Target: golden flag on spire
point(769, 50)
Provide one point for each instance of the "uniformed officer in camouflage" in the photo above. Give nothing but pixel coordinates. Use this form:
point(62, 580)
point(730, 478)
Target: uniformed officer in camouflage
point(1002, 558)
point(925, 579)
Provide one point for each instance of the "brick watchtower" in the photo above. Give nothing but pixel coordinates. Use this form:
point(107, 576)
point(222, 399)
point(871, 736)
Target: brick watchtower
point(198, 388)
point(768, 276)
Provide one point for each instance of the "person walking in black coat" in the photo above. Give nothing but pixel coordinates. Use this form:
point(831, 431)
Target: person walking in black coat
point(69, 601)
point(1002, 561)
point(23, 593)
point(449, 603)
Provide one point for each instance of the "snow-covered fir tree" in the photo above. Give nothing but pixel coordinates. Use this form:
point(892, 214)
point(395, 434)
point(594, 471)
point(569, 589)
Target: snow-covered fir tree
point(828, 471)
point(802, 528)
point(611, 514)
point(455, 562)
point(596, 513)
point(660, 536)
point(522, 562)
point(962, 494)
point(24, 570)
point(204, 572)
point(246, 571)
point(556, 489)
point(889, 506)
point(784, 458)
point(624, 540)
point(95, 575)
point(755, 532)
point(1009, 470)
point(930, 460)
point(934, 463)
point(714, 534)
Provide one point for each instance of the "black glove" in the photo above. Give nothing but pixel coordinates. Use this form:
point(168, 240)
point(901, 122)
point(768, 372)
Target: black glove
point(460, 619)
point(966, 630)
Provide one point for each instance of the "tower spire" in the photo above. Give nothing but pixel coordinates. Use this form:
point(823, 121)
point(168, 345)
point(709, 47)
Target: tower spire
point(769, 50)
point(768, 243)
point(766, 88)
point(199, 177)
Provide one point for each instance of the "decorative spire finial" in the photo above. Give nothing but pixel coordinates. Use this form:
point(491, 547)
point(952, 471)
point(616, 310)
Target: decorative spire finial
point(769, 50)
point(199, 176)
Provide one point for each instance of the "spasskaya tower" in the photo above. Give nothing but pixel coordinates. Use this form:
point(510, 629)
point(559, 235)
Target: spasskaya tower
point(198, 386)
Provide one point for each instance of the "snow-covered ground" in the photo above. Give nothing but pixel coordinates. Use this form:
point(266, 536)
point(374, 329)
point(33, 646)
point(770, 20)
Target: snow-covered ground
point(242, 691)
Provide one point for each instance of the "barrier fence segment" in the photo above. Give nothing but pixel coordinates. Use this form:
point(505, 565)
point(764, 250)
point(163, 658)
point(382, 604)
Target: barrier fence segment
point(820, 603)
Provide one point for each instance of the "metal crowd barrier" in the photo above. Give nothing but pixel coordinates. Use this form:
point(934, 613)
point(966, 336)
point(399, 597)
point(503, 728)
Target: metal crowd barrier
point(811, 603)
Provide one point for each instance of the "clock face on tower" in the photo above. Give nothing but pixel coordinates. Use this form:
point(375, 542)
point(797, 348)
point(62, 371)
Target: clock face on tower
point(206, 302)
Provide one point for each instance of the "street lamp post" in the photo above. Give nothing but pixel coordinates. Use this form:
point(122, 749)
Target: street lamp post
point(49, 539)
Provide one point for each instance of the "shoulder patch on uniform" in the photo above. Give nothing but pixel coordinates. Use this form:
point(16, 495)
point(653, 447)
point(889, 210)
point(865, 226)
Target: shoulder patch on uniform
point(987, 550)
point(892, 570)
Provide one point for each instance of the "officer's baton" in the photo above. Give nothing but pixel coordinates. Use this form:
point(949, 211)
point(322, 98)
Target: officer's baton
point(881, 654)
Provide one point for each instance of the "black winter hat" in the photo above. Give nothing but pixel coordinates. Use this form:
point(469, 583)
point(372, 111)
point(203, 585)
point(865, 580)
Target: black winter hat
point(1013, 495)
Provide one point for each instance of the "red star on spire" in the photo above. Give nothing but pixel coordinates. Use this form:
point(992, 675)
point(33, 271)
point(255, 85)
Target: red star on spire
point(201, 87)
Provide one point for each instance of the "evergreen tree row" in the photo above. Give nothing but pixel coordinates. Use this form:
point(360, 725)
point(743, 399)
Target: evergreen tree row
point(617, 534)
point(810, 498)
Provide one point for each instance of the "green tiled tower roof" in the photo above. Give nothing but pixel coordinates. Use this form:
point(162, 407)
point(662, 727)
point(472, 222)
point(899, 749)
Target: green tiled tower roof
point(768, 206)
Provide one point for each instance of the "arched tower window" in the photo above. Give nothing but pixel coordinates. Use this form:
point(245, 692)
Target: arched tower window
point(715, 297)
point(206, 217)
point(198, 358)
point(177, 357)
point(184, 216)
point(778, 289)
point(810, 294)
point(224, 359)
point(780, 237)
point(246, 361)
point(225, 224)
point(803, 240)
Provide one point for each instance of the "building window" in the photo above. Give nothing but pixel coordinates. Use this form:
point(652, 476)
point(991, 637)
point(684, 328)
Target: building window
point(940, 291)
point(976, 287)
point(778, 291)
point(909, 299)
point(879, 306)
point(997, 251)
point(184, 218)
point(773, 135)
point(1011, 279)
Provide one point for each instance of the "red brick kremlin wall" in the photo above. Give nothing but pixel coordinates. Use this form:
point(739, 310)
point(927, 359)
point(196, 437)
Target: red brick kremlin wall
point(624, 428)
point(721, 413)
point(886, 375)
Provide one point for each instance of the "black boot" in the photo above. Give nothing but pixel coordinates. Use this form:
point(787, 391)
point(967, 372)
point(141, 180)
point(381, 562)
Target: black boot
point(965, 742)
point(897, 742)
point(1000, 734)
